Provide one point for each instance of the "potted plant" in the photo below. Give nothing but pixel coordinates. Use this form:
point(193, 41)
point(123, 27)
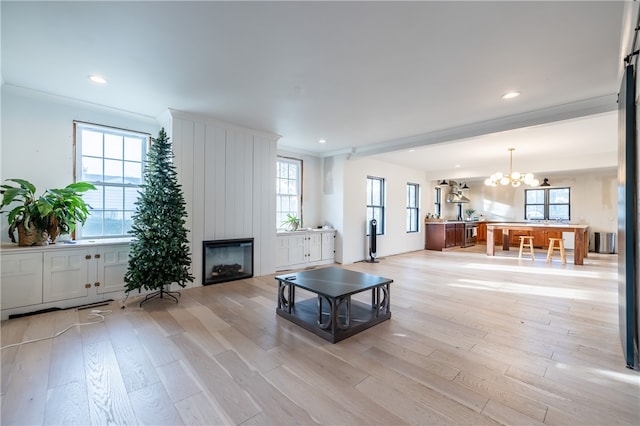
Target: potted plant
point(292, 222)
point(67, 208)
point(37, 218)
point(469, 212)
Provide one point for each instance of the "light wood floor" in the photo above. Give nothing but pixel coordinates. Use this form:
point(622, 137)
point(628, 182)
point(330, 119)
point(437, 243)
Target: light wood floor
point(472, 340)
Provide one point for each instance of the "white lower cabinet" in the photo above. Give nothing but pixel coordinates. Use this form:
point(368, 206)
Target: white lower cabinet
point(299, 249)
point(37, 278)
point(66, 275)
point(21, 280)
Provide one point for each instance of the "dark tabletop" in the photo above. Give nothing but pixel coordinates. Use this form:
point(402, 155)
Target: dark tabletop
point(334, 282)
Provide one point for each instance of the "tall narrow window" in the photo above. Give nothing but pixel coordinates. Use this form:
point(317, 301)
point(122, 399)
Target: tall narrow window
point(547, 204)
point(375, 203)
point(412, 207)
point(288, 189)
point(113, 161)
point(437, 206)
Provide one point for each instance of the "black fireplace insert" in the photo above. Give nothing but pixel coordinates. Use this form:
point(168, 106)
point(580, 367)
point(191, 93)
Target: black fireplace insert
point(227, 260)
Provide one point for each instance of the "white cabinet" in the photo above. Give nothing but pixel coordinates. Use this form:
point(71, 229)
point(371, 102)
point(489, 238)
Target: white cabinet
point(111, 266)
point(65, 275)
point(299, 249)
point(61, 276)
point(73, 273)
point(314, 247)
point(21, 279)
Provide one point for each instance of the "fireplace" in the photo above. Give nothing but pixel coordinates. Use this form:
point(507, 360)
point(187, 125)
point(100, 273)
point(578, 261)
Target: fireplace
point(227, 260)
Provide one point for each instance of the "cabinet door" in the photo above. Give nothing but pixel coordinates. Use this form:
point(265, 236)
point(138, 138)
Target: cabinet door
point(282, 252)
point(514, 237)
point(314, 253)
point(459, 234)
point(65, 274)
point(450, 235)
point(539, 238)
point(21, 280)
point(297, 248)
point(111, 266)
point(482, 233)
point(328, 246)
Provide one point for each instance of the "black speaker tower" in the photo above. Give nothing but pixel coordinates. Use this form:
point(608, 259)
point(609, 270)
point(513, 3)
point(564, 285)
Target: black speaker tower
point(372, 241)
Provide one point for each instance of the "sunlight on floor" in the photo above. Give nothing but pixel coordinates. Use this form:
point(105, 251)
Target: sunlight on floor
point(550, 270)
point(631, 378)
point(534, 290)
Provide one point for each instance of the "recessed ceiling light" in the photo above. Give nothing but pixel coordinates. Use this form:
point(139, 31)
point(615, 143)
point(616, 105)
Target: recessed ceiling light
point(322, 141)
point(457, 166)
point(97, 79)
point(511, 95)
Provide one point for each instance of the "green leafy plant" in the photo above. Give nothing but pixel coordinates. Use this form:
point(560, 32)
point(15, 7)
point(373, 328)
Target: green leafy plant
point(55, 211)
point(469, 212)
point(292, 222)
point(67, 206)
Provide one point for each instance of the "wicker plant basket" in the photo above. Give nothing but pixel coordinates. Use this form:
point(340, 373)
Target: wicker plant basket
point(31, 236)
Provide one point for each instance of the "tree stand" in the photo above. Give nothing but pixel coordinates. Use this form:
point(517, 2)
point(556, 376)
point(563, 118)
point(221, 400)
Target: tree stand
point(161, 294)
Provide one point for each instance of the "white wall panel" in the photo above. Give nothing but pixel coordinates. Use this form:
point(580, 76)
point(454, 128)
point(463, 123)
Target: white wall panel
point(225, 187)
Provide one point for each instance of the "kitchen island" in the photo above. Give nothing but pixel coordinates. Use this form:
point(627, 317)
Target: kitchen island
point(580, 232)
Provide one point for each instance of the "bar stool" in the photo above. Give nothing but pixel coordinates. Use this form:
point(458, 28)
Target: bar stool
point(552, 246)
point(529, 244)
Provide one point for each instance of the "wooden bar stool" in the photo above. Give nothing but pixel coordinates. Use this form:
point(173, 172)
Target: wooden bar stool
point(552, 246)
point(529, 244)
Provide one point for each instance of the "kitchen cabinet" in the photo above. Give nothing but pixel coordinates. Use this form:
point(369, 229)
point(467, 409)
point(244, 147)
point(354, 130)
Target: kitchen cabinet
point(454, 234)
point(439, 235)
point(298, 249)
point(61, 275)
point(482, 234)
point(540, 237)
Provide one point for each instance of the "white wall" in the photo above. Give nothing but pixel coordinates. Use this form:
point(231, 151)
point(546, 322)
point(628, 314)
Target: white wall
point(37, 136)
point(333, 199)
point(227, 173)
point(395, 239)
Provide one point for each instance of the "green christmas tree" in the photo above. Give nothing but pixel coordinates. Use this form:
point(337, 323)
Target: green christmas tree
point(159, 254)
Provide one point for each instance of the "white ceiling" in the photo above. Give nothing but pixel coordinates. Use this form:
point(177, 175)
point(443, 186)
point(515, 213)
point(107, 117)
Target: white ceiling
point(369, 77)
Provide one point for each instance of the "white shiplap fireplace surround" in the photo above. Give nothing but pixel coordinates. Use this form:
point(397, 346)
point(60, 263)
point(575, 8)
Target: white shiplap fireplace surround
point(227, 175)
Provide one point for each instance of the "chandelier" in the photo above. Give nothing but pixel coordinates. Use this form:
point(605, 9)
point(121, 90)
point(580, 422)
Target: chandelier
point(514, 178)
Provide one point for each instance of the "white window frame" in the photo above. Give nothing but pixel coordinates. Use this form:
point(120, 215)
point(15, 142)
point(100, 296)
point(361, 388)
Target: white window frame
point(102, 204)
point(288, 196)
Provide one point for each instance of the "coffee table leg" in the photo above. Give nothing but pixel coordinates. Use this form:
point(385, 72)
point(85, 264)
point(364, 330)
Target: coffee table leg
point(331, 321)
point(380, 299)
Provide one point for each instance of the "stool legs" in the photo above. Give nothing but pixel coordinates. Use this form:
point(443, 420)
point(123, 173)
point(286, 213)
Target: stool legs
point(529, 244)
point(552, 246)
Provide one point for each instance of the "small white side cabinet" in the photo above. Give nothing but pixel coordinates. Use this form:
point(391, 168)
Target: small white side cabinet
point(61, 276)
point(298, 249)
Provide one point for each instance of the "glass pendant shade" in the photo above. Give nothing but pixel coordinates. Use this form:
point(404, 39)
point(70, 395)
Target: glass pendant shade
point(514, 178)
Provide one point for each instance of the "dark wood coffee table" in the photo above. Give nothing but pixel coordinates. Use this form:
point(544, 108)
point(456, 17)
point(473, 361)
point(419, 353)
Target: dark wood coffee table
point(333, 315)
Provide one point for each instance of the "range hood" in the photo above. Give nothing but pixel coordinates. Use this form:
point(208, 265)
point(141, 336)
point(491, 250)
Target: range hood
point(457, 198)
point(455, 193)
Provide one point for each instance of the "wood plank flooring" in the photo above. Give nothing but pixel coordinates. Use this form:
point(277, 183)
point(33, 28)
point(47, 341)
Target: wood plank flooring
point(472, 340)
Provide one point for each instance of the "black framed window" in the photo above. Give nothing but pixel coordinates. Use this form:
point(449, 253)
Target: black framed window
point(375, 203)
point(412, 206)
point(547, 204)
point(437, 196)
